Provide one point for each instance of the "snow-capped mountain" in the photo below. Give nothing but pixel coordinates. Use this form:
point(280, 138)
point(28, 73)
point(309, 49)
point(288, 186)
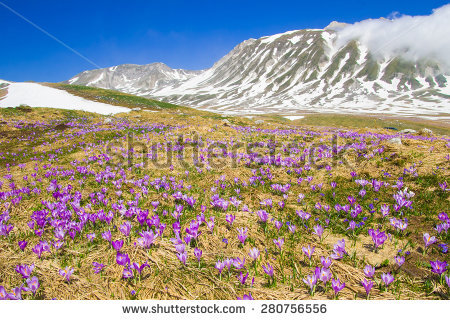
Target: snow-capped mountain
point(133, 78)
point(297, 71)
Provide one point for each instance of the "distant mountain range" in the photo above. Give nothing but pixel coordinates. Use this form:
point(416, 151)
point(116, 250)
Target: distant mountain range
point(133, 78)
point(293, 72)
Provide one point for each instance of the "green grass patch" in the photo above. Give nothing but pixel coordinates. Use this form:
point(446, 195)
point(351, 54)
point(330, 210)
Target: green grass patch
point(115, 97)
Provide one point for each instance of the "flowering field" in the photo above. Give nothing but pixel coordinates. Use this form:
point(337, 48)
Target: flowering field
point(172, 205)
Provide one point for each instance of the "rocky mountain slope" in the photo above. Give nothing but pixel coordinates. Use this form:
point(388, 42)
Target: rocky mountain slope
point(133, 78)
point(297, 71)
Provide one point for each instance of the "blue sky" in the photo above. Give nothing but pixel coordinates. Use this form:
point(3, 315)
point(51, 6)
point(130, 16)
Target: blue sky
point(182, 34)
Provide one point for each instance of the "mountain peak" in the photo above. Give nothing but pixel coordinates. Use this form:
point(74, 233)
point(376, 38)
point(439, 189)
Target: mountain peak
point(336, 26)
point(132, 78)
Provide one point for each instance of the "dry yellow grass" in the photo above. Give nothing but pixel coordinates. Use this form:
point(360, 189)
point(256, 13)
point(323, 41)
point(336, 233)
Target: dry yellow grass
point(167, 278)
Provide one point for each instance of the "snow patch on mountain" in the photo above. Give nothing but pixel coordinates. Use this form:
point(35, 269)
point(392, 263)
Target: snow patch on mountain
point(36, 95)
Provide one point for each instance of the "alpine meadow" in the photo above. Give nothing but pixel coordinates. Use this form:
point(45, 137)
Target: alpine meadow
point(307, 164)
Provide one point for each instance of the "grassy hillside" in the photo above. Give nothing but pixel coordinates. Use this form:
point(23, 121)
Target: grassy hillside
point(127, 202)
point(371, 122)
point(114, 97)
point(327, 120)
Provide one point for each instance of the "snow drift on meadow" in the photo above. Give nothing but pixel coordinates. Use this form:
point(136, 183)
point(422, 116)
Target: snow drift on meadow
point(413, 37)
point(36, 95)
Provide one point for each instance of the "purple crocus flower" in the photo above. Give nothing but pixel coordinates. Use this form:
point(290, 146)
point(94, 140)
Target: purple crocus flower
point(378, 237)
point(33, 284)
point(279, 242)
point(263, 215)
point(337, 286)
point(230, 219)
point(25, 270)
point(308, 251)
point(268, 270)
point(139, 268)
point(178, 208)
point(351, 200)
point(60, 233)
point(447, 280)
point(310, 281)
point(225, 240)
point(438, 267)
point(5, 229)
point(210, 224)
point(242, 235)
point(351, 225)
point(16, 294)
point(339, 246)
point(246, 297)
point(66, 273)
point(180, 247)
point(58, 244)
point(90, 236)
point(23, 245)
point(40, 248)
point(387, 278)
point(336, 255)
point(127, 273)
point(176, 214)
point(444, 247)
point(237, 263)
point(399, 223)
point(198, 254)
point(98, 267)
point(367, 284)
point(254, 253)
point(362, 193)
point(400, 260)
point(326, 262)
point(325, 275)
point(147, 239)
point(443, 216)
point(72, 233)
point(188, 238)
point(122, 259)
point(219, 266)
point(278, 224)
point(182, 257)
point(385, 210)
point(428, 240)
point(117, 245)
point(242, 278)
point(292, 228)
point(155, 205)
point(125, 228)
point(3, 293)
point(369, 271)
point(318, 230)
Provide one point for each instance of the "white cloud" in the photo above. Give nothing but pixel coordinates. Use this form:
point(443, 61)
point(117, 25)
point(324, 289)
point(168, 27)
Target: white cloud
point(413, 37)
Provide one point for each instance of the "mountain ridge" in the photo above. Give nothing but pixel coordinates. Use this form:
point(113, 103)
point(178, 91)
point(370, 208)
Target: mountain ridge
point(291, 72)
point(148, 76)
